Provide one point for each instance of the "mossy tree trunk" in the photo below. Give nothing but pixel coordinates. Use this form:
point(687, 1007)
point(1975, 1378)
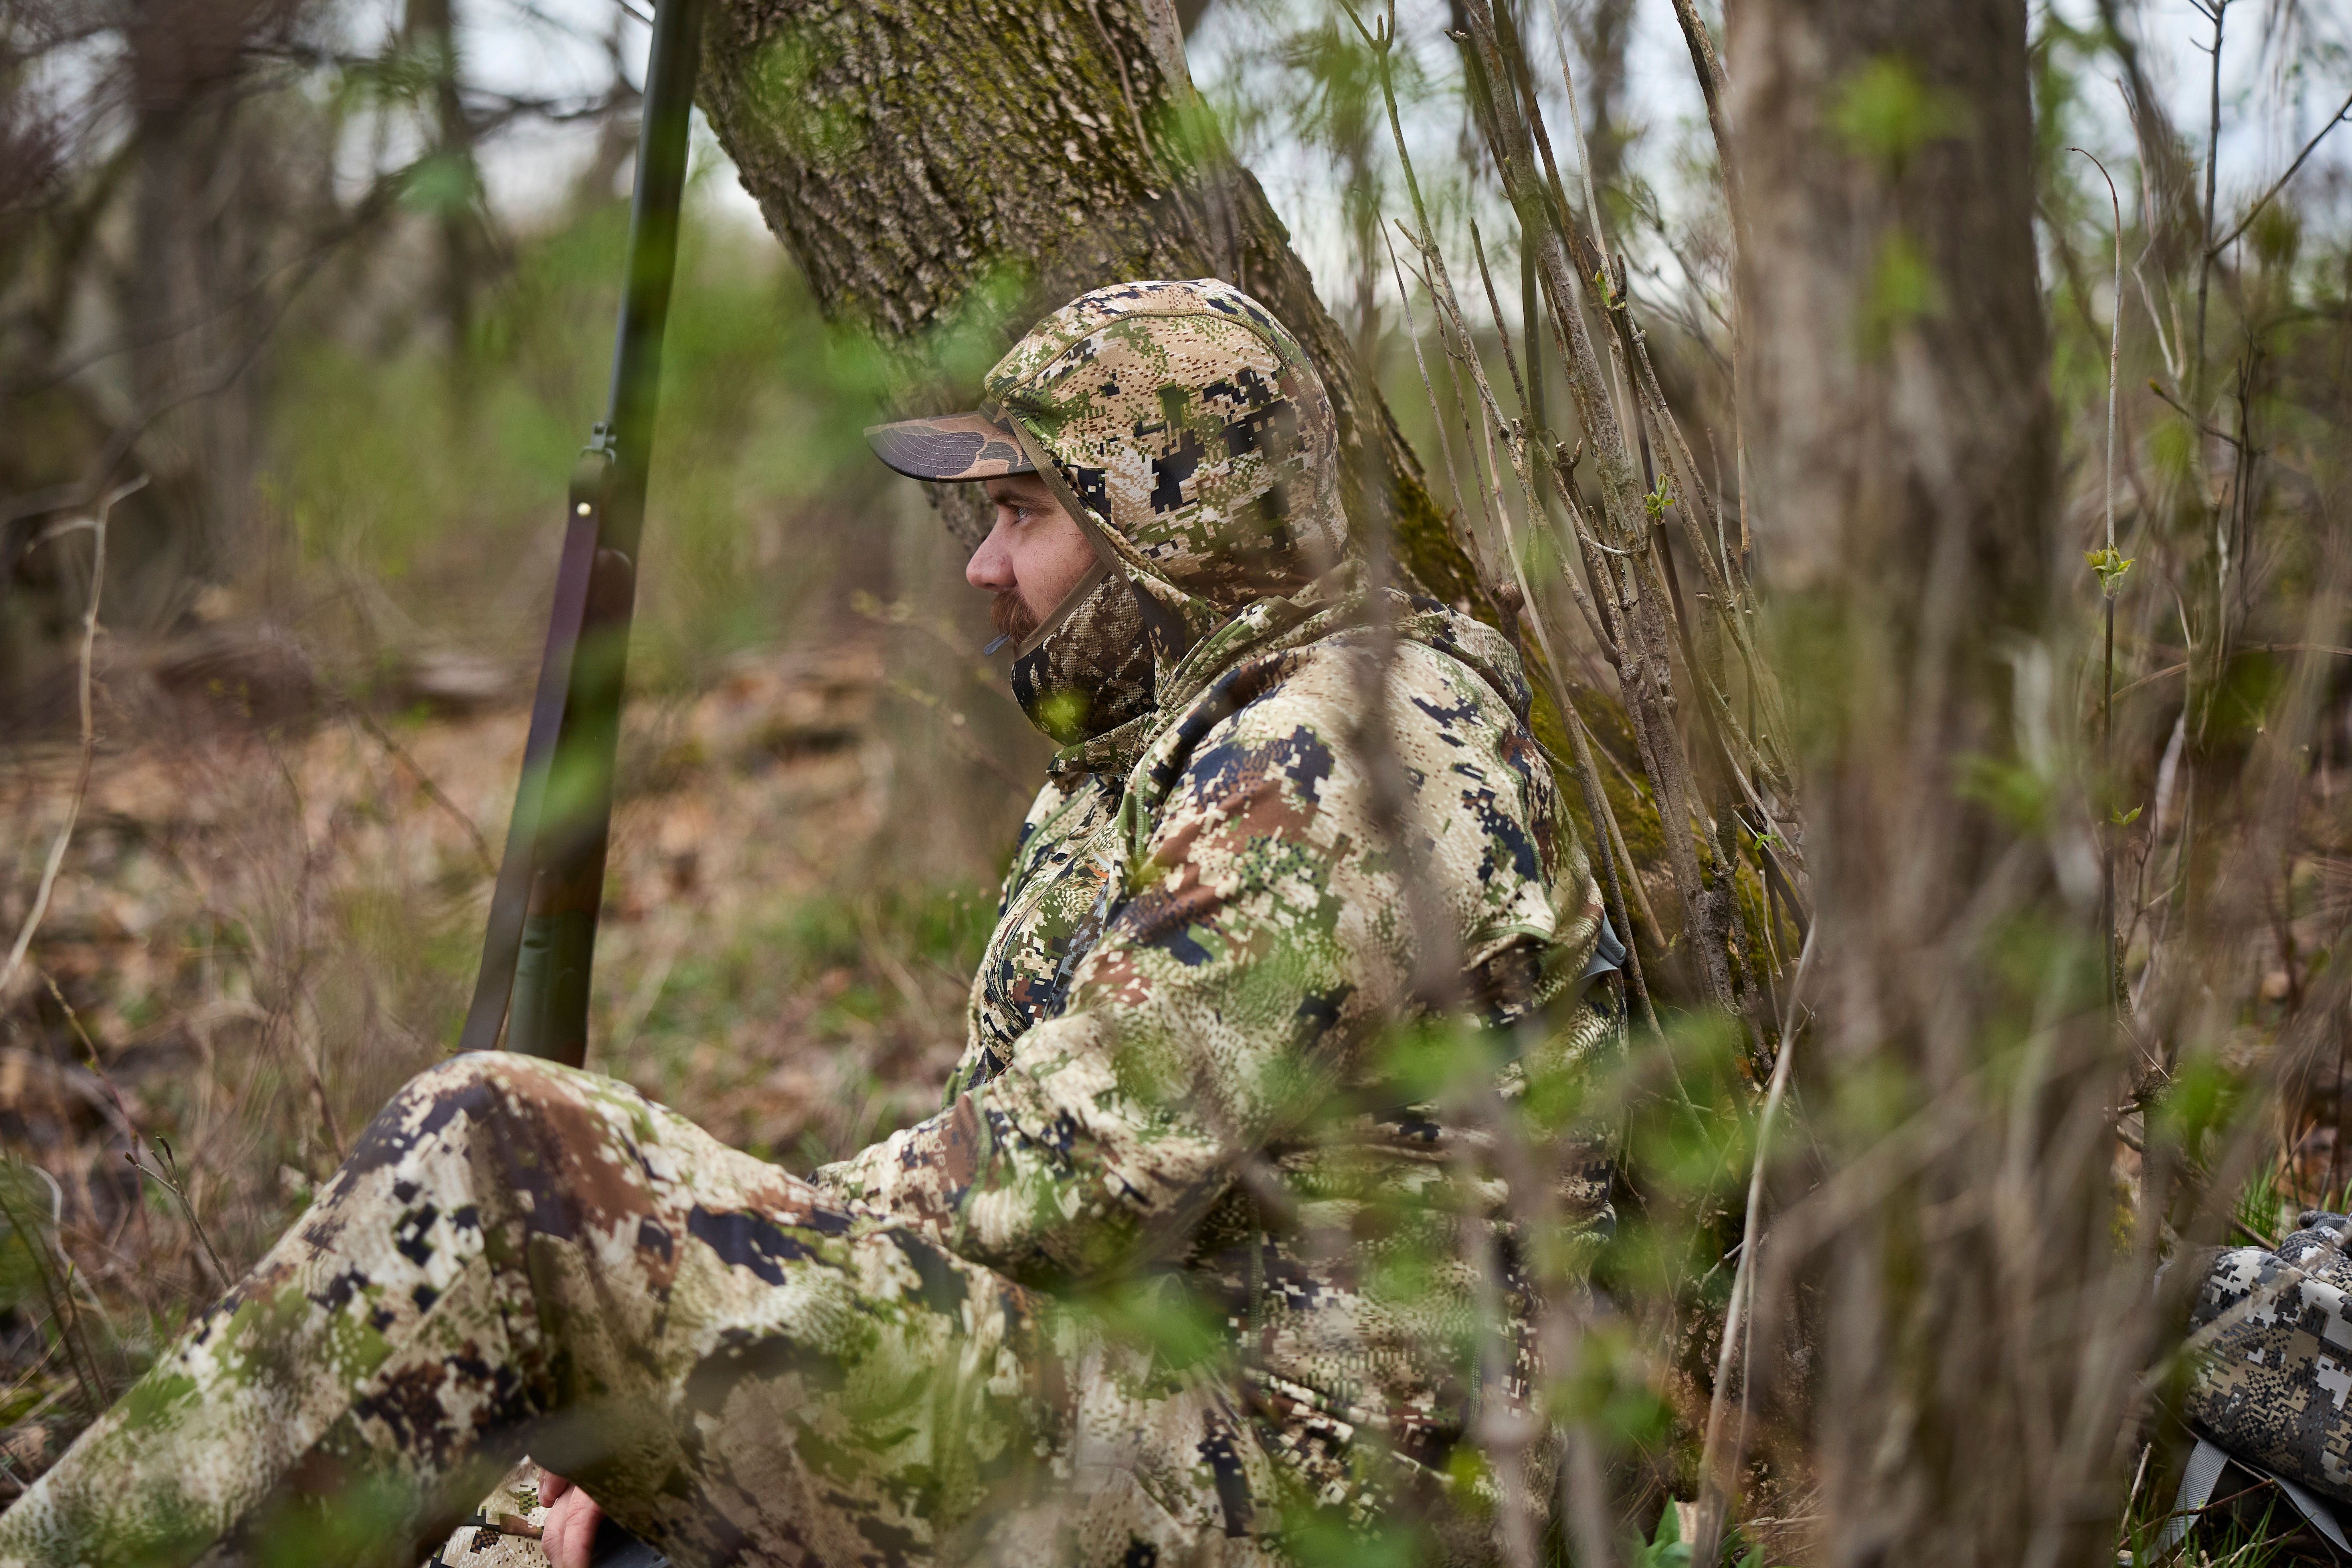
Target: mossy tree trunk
point(946, 173)
point(1978, 1351)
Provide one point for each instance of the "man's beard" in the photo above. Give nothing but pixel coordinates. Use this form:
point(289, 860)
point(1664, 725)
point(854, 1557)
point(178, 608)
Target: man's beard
point(1011, 617)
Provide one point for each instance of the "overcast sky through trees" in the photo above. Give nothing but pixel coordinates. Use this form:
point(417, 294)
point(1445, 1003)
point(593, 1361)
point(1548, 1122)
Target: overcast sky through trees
point(2281, 78)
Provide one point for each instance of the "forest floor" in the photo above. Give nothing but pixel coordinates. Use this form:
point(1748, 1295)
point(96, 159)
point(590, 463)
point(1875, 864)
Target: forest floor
point(259, 932)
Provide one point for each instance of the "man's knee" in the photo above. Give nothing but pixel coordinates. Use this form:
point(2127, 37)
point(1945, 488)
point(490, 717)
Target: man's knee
point(471, 1076)
point(482, 1097)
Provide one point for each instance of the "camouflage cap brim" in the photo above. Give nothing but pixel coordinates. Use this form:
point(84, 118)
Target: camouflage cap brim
point(975, 445)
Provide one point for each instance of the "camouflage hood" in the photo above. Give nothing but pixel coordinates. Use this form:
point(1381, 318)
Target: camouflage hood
point(1186, 429)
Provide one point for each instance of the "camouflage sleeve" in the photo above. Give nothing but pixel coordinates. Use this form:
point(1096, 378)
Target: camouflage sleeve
point(1263, 937)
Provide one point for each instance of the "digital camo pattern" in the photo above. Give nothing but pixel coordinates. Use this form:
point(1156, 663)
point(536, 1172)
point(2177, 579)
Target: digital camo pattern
point(523, 1256)
point(1204, 931)
point(1190, 423)
point(2273, 1386)
point(1052, 1324)
point(1092, 672)
point(501, 1532)
point(1188, 426)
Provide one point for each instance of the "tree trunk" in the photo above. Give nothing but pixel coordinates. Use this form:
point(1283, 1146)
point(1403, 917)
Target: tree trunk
point(209, 189)
point(947, 173)
point(1602, 29)
point(1900, 437)
point(431, 29)
point(179, 294)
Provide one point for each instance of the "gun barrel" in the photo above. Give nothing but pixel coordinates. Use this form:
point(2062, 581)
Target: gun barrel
point(654, 205)
point(541, 935)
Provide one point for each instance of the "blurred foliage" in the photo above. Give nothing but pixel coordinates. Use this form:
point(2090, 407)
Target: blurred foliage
point(418, 473)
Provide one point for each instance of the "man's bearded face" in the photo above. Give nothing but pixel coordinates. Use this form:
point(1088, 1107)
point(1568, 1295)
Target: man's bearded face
point(1033, 556)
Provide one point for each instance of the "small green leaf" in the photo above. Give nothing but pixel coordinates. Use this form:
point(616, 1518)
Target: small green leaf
point(1666, 1548)
point(2110, 565)
point(2125, 819)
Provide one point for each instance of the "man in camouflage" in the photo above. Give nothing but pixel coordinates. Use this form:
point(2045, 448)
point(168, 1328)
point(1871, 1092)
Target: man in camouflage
point(1176, 1272)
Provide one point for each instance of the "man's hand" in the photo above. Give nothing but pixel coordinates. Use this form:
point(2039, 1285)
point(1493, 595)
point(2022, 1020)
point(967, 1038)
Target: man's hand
point(571, 1527)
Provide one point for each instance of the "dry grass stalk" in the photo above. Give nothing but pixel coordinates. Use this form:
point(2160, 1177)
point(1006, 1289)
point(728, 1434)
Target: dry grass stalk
point(96, 524)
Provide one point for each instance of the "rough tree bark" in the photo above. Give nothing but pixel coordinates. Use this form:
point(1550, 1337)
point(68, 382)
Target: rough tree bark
point(1901, 444)
point(945, 174)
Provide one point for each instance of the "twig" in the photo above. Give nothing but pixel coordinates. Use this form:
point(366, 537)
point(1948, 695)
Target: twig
point(1607, 839)
point(1717, 1470)
point(108, 1101)
point(2108, 578)
point(958, 735)
point(2182, 409)
point(1494, 308)
point(648, 995)
point(1584, 152)
point(1421, 362)
point(2217, 11)
point(2127, 690)
point(88, 738)
point(433, 791)
point(901, 979)
point(1708, 68)
point(1645, 675)
point(168, 1179)
point(2344, 111)
point(78, 1358)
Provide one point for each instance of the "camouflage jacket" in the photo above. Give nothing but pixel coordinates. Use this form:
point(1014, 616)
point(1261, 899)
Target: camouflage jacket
point(1174, 1055)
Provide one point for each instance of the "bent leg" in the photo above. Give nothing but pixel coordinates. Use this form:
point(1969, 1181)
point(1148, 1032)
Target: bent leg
point(522, 1257)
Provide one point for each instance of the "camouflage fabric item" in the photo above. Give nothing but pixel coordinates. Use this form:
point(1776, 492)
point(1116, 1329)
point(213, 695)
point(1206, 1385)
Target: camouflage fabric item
point(1185, 426)
point(1180, 1266)
point(1190, 425)
point(2272, 1387)
point(1193, 969)
point(501, 1533)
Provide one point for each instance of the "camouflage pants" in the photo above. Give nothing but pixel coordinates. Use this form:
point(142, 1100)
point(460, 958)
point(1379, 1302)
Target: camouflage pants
point(523, 1258)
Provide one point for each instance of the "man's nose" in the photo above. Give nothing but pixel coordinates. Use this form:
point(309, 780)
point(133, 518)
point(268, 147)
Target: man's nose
point(991, 566)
